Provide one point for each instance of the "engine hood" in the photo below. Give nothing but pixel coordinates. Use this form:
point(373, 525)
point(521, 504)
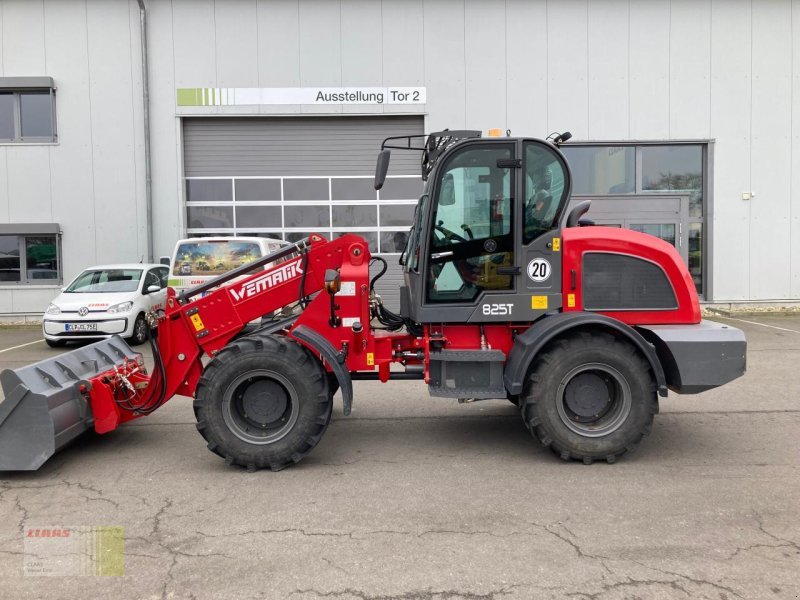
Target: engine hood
point(72, 302)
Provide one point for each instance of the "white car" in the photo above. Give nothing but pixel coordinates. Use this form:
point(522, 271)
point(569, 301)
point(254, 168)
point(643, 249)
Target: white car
point(106, 300)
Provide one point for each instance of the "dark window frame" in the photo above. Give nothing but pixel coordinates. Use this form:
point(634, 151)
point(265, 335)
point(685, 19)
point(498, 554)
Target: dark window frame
point(24, 279)
point(707, 157)
point(16, 93)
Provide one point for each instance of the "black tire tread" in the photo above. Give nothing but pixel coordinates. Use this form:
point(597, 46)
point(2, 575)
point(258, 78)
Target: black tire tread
point(313, 371)
point(550, 357)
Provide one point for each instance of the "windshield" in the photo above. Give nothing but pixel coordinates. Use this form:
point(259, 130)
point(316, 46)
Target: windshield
point(213, 258)
point(105, 281)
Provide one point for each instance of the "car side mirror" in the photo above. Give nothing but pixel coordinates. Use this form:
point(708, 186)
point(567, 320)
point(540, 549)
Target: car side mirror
point(151, 289)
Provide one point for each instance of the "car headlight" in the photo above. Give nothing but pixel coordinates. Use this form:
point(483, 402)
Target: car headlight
point(52, 310)
point(120, 308)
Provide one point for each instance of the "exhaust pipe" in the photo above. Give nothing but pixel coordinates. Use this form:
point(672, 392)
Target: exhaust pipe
point(47, 404)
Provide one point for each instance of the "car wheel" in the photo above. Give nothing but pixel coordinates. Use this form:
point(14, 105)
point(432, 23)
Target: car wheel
point(55, 343)
point(139, 331)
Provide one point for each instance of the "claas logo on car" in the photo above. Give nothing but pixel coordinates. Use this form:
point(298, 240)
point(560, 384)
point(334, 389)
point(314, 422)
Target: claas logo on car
point(286, 273)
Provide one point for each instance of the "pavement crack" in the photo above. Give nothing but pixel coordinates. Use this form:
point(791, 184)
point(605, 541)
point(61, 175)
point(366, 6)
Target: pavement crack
point(333, 565)
point(694, 580)
point(88, 488)
point(18, 505)
point(579, 551)
point(289, 530)
point(629, 582)
point(427, 594)
point(783, 541)
point(156, 531)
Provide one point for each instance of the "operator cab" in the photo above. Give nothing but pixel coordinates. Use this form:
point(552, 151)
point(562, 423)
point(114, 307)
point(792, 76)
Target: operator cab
point(485, 241)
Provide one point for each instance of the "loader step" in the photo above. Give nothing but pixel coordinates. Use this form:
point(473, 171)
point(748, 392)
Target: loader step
point(476, 374)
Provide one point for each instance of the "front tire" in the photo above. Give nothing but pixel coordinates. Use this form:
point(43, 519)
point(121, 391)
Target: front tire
point(263, 402)
point(139, 334)
point(589, 397)
point(55, 343)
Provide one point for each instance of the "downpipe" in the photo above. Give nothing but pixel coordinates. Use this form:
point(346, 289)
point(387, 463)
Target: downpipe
point(148, 179)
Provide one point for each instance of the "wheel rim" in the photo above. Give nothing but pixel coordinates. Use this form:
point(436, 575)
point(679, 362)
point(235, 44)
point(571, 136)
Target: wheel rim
point(593, 400)
point(260, 407)
point(140, 331)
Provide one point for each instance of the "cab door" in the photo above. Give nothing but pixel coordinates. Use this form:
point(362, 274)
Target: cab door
point(545, 194)
point(471, 235)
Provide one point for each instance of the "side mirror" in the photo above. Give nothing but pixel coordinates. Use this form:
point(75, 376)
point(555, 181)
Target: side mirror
point(447, 195)
point(381, 168)
point(151, 289)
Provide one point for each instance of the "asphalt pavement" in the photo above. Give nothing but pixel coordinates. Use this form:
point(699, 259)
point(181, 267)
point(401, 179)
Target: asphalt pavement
point(415, 497)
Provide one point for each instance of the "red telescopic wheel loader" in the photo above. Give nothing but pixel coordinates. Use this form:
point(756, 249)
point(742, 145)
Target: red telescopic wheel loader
point(507, 294)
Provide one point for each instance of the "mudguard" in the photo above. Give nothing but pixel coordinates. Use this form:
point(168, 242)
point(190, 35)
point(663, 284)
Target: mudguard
point(529, 343)
point(319, 344)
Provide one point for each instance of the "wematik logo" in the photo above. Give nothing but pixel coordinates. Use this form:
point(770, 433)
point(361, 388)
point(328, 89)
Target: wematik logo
point(285, 273)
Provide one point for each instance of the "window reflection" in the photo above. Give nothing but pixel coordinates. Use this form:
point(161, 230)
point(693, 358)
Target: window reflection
point(675, 168)
point(602, 170)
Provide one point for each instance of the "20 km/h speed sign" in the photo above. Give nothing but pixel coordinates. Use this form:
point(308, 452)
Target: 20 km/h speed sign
point(539, 270)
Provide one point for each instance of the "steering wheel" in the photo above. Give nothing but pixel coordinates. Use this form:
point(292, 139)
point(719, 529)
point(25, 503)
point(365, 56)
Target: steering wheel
point(448, 235)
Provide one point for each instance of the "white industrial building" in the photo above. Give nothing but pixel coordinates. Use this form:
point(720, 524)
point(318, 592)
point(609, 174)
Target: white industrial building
point(264, 117)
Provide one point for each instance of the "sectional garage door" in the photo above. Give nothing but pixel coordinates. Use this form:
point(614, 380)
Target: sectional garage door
point(288, 177)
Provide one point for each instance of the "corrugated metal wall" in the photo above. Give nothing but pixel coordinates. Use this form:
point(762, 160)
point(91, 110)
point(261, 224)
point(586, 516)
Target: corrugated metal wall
point(302, 146)
point(294, 146)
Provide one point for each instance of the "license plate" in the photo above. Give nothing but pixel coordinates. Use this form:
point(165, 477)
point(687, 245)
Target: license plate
point(80, 327)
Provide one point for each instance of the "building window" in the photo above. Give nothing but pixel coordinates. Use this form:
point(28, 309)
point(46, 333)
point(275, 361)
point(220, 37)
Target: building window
point(294, 207)
point(633, 184)
point(27, 110)
point(33, 258)
point(675, 168)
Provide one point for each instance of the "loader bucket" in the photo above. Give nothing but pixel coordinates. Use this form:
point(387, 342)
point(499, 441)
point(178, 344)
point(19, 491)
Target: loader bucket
point(46, 404)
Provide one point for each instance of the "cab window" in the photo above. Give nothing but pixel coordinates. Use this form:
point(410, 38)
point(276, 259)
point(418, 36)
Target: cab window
point(471, 236)
point(410, 255)
point(545, 190)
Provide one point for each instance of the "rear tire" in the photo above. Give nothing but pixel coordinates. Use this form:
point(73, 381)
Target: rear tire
point(589, 397)
point(55, 343)
point(263, 402)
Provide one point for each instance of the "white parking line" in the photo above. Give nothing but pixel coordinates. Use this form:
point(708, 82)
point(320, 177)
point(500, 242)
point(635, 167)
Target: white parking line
point(762, 324)
point(21, 346)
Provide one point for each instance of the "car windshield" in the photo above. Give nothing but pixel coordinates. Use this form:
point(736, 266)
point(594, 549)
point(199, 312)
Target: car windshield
point(96, 281)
